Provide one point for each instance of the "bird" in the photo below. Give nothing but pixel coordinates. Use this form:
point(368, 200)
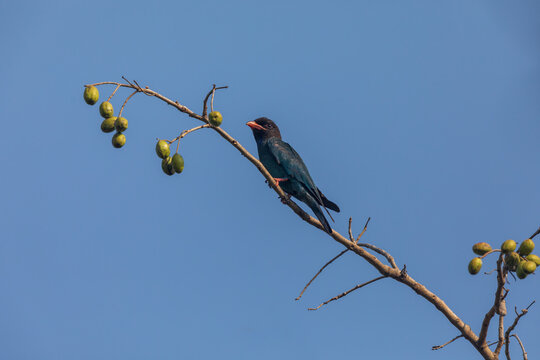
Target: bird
point(288, 169)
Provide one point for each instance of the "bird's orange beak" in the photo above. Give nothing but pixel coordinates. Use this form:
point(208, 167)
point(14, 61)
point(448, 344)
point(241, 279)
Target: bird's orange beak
point(254, 125)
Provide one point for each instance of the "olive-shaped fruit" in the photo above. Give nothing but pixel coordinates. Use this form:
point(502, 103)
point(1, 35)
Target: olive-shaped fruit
point(508, 246)
point(118, 140)
point(529, 266)
point(526, 247)
point(91, 95)
point(166, 166)
point(162, 149)
point(178, 163)
point(520, 272)
point(475, 265)
point(121, 124)
point(215, 118)
point(106, 109)
point(481, 248)
point(107, 125)
point(512, 259)
point(535, 258)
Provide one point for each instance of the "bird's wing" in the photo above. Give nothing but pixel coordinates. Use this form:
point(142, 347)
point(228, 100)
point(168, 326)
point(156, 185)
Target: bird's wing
point(293, 165)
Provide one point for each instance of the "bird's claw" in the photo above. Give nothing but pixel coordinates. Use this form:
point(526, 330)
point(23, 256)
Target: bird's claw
point(285, 200)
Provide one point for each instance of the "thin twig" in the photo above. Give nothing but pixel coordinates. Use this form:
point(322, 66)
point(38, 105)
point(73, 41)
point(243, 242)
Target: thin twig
point(518, 317)
point(490, 252)
point(525, 357)
point(114, 92)
point(185, 132)
point(348, 292)
point(382, 252)
point(363, 230)
point(513, 326)
point(212, 99)
point(317, 274)
point(205, 107)
point(437, 347)
point(125, 102)
point(535, 233)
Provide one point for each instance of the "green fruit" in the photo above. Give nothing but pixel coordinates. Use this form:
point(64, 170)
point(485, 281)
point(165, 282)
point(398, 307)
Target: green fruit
point(107, 125)
point(508, 246)
point(529, 266)
point(178, 163)
point(534, 258)
point(215, 118)
point(481, 248)
point(118, 140)
point(526, 247)
point(520, 272)
point(166, 166)
point(475, 265)
point(512, 259)
point(121, 124)
point(106, 109)
point(91, 95)
point(162, 149)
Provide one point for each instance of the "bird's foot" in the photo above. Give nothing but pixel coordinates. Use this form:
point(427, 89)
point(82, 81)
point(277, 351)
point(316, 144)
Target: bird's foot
point(286, 199)
point(277, 180)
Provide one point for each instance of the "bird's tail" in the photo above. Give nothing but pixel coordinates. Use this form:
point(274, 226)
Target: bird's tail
point(317, 211)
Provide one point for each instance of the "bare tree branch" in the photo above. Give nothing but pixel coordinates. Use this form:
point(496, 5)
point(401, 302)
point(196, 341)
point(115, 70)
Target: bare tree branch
point(437, 347)
point(386, 271)
point(500, 342)
point(348, 292)
point(496, 308)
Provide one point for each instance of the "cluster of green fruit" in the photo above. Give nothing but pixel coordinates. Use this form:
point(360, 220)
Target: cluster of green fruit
point(521, 262)
point(110, 122)
point(169, 165)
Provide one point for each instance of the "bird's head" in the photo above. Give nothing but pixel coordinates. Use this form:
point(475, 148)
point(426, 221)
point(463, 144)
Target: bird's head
point(264, 128)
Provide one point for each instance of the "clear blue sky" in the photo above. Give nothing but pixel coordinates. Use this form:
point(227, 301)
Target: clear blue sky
point(423, 115)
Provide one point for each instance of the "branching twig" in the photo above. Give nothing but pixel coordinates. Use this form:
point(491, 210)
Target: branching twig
point(210, 93)
point(512, 327)
point(348, 292)
point(437, 347)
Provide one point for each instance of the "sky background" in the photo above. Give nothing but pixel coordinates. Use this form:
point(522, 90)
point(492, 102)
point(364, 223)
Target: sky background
point(423, 115)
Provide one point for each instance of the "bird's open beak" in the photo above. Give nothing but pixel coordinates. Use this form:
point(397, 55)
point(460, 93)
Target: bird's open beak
point(254, 125)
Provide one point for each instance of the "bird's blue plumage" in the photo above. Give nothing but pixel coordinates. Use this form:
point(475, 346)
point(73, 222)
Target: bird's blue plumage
point(282, 161)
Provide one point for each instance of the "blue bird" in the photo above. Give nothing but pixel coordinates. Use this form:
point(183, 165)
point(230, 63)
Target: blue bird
point(288, 169)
